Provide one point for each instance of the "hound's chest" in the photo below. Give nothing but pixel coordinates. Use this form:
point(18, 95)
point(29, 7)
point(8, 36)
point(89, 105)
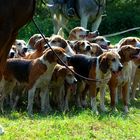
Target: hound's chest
point(124, 76)
point(103, 78)
point(45, 78)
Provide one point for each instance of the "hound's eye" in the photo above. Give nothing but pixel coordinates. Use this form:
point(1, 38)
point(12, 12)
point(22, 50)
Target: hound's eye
point(113, 60)
point(53, 41)
point(18, 43)
point(102, 39)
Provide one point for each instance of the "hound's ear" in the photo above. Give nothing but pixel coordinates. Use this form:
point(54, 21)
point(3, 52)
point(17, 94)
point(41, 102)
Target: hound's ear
point(122, 42)
point(76, 47)
point(122, 55)
point(62, 71)
point(104, 64)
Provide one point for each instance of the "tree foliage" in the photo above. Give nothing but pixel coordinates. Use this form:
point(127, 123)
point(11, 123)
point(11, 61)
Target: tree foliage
point(120, 15)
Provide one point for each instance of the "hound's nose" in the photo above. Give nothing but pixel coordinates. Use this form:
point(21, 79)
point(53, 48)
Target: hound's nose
point(108, 43)
point(120, 67)
point(97, 33)
point(75, 81)
point(88, 48)
point(25, 49)
point(12, 54)
point(87, 32)
point(46, 46)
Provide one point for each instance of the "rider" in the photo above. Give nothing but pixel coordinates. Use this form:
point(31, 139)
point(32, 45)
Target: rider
point(70, 6)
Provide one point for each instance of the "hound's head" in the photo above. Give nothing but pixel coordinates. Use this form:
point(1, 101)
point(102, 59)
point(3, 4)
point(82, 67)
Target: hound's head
point(96, 49)
point(102, 41)
point(40, 44)
point(110, 61)
point(21, 47)
point(134, 41)
point(51, 56)
point(13, 52)
point(33, 39)
point(59, 41)
point(128, 52)
point(80, 33)
point(83, 47)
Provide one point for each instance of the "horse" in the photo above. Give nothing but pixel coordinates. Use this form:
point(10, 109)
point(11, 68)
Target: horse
point(13, 15)
point(86, 10)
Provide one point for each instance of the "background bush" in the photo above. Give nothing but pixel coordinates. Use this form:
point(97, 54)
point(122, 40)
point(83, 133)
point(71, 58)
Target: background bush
point(121, 15)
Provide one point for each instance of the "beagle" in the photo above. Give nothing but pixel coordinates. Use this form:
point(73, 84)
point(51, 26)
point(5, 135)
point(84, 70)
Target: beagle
point(136, 80)
point(59, 41)
point(98, 68)
point(83, 47)
point(33, 74)
point(39, 48)
point(80, 33)
point(33, 39)
point(102, 42)
point(135, 42)
point(121, 82)
point(13, 52)
point(18, 49)
point(60, 77)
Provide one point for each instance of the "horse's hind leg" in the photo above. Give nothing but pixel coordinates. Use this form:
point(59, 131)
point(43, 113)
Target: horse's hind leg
point(96, 23)
point(84, 21)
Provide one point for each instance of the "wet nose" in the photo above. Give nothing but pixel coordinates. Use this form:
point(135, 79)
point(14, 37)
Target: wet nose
point(87, 32)
point(46, 46)
point(120, 67)
point(108, 43)
point(87, 48)
point(12, 54)
point(25, 49)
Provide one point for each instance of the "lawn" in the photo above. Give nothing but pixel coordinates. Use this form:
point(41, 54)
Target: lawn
point(76, 124)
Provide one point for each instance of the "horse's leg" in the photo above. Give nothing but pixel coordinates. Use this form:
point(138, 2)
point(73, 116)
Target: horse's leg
point(56, 25)
point(7, 39)
point(84, 21)
point(62, 24)
point(96, 23)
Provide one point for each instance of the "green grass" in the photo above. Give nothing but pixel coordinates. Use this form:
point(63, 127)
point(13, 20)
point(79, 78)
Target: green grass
point(76, 124)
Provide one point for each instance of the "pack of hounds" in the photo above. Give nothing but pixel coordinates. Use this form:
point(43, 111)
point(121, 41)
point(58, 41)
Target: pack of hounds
point(35, 74)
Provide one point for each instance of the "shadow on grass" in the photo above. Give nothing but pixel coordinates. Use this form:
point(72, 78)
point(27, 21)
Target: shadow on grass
point(75, 112)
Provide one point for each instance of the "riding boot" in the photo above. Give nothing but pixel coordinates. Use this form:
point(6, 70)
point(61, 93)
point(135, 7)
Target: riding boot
point(70, 8)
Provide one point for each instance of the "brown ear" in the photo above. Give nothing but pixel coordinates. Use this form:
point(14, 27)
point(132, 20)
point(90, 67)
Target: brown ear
point(50, 56)
point(62, 71)
point(103, 64)
point(76, 47)
point(39, 45)
point(122, 55)
point(72, 35)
